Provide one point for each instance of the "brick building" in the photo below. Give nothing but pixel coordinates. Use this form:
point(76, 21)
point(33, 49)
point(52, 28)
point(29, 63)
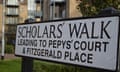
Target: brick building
point(17, 11)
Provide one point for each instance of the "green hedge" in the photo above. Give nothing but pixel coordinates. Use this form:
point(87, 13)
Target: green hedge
point(41, 66)
point(9, 48)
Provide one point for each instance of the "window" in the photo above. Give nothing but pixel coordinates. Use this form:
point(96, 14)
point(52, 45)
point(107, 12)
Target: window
point(12, 2)
point(38, 14)
point(12, 11)
point(31, 5)
point(21, 0)
point(31, 13)
point(31, 8)
point(57, 0)
point(57, 11)
point(12, 20)
point(11, 29)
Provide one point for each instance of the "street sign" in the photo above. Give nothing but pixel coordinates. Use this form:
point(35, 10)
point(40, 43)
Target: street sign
point(87, 42)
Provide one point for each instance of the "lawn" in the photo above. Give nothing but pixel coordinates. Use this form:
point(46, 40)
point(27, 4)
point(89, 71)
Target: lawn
point(10, 66)
point(40, 66)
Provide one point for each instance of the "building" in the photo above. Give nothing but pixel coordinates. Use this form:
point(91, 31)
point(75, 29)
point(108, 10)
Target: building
point(17, 11)
point(53, 9)
point(72, 9)
point(23, 12)
point(1, 19)
point(11, 19)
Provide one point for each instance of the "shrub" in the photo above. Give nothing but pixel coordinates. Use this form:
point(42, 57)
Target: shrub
point(9, 48)
point(41, 66)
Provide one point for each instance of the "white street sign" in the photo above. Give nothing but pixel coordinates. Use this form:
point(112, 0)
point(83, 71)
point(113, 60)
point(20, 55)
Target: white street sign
point(88, 42)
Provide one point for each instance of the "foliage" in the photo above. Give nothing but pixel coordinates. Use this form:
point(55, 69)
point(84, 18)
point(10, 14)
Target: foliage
point(9, 48)
point(92, 7)
point(40, 66)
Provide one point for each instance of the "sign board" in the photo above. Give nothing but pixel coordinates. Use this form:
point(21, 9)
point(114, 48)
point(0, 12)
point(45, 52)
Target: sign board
point(88, 42)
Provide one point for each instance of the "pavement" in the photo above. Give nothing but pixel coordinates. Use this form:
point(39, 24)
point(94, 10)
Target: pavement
point(10, 56)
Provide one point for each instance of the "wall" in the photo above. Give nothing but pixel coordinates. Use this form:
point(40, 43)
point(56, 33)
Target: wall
point(23, 13)
point(73, 12)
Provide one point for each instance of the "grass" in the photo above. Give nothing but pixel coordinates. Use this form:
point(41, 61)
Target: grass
point(10, 66)
point(40, 66)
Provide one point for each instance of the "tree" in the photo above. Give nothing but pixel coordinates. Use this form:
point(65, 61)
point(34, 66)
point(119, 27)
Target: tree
point(92, 7)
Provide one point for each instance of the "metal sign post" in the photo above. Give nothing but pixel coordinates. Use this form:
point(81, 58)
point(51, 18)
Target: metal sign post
point(27, 63)
point(3, 32)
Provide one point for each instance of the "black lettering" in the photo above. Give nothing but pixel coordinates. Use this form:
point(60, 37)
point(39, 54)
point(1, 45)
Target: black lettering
point(90, 58)
point(24, 32)
point(105, 45)
point(66, 55)
point(63, 44)
point(71, 59)
point(68, 45)
point(28, 51)
point(19, 32)
point(59, 30)
point(53, 54)
point(42, 52)
point(58, 43)
point(52, 31)
point(50, 43)
point(46, 53)
point(76, 57)
point(90, 46)
point(44, 43)
point(23, 50)
point(93, 29)
point(32, 51)
point(83, 60)
point(54, 44)
point(84, 31)
point(35, 51)
point(83, 45)
point(50, 53)
point(40, 41)
point(45, 32)
point(34, 31)
point(76, 45)
point(27, 31)
point(59, 54)
point(98, 46)
point(38, 35)
point(38, 52)
point(74, 29)
point(103, 29)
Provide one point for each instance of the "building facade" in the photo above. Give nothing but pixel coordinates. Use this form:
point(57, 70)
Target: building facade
point(1, 19)
point(53, 9)
point(23, 12)
point(11, 19)
point(17, 11)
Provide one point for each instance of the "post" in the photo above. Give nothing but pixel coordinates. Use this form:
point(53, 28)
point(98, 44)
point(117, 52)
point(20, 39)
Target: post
point(3, 32)
point(106, 12)
point(27, 63)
